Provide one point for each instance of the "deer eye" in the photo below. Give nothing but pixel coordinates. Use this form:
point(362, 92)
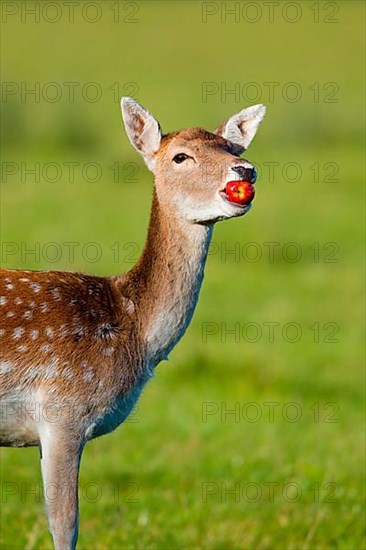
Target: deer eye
point(181, 157)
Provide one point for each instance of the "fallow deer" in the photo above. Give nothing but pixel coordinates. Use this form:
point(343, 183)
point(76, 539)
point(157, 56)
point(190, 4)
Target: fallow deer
point(76, 349)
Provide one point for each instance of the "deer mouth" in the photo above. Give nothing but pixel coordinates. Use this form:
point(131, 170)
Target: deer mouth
point(238, 192)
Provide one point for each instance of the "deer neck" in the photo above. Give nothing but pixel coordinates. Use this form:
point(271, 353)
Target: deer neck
point(166, 281)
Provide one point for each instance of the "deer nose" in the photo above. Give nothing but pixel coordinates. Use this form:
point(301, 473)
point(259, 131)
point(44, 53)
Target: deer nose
point(247, 174)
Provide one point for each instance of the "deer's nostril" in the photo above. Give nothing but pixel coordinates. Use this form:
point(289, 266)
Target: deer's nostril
point(247, 174)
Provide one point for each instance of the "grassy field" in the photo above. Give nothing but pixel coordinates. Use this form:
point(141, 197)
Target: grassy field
point(251, 436)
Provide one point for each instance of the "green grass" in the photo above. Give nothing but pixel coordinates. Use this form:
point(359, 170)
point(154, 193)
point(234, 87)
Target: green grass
point(167, 454)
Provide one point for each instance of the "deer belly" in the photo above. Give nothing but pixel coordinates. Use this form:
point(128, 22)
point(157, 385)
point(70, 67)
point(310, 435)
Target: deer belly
point(18, 421)
point(111, 417)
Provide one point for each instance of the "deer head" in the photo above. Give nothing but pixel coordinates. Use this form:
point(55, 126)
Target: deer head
point(193, 166)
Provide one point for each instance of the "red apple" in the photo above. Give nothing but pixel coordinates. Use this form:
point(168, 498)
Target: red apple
point(240, 192)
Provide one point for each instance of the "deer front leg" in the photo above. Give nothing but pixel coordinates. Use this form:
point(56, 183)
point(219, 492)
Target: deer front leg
point(60, 460)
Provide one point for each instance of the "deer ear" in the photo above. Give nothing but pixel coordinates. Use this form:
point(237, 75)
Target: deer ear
point(242, 127)
point(142, 130)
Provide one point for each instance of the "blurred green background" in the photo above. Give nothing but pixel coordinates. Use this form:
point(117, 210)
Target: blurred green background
point(145, 485)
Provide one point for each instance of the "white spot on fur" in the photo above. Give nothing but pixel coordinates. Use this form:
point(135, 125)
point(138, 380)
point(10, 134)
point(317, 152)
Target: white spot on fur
point(47, 348)
point(63, 331)
point(89, 375)
point(44, 307)
point(56, 294)
point(49, 332)
point(130, 306)
point(32, 304)
point(31, 374)
point(24, 279)
point(49, 371)
point(18, 331)
point(28, 315)
point(22, 348)
point(108, 351)
point(10, 286)
point(2, 332)
point(36, 287)
point(67, 373)
point(5, 367)
point(10, 314)
point(3, 300)
point(34, 334)
point(79, 331)
point(18, 301)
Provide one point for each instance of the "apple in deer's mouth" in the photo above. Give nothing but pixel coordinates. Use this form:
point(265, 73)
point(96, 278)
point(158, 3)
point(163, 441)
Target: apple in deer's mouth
point(239, 192)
